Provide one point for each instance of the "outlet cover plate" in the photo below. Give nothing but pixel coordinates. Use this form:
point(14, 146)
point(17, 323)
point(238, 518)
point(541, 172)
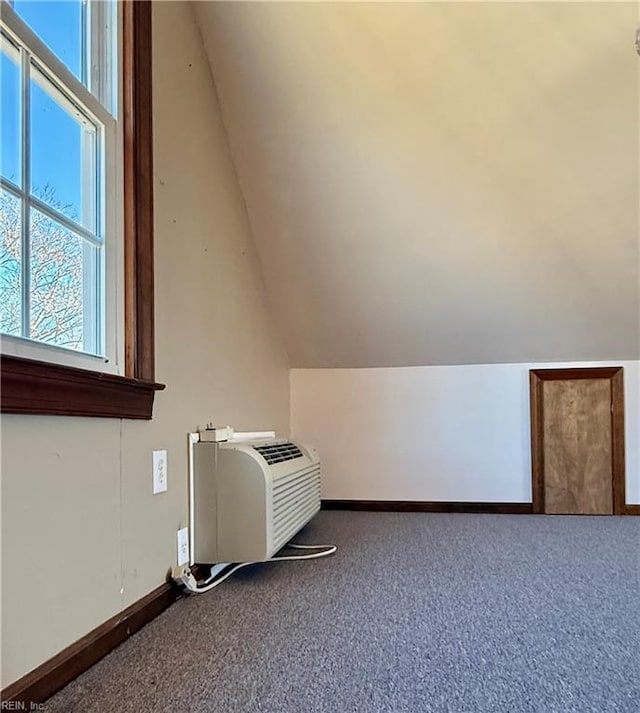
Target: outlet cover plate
point(159, 472)
point(183, 546)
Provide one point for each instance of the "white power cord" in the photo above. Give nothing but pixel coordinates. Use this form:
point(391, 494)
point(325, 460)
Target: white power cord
point(183, 575)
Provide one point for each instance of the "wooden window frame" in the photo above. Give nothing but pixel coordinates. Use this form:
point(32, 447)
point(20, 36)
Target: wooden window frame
point(28, 386)
point(615, 375)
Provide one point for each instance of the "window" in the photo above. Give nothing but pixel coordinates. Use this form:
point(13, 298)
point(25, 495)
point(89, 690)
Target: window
point(59, 200)
point(76, 249)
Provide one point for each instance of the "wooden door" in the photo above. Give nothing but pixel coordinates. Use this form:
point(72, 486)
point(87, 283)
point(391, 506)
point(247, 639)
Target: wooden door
point(577, 428)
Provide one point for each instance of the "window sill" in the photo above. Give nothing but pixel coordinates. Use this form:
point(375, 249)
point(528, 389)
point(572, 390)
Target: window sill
point(34, 387)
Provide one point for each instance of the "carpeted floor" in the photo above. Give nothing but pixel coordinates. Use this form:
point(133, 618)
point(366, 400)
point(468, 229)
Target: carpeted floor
point(416, 612)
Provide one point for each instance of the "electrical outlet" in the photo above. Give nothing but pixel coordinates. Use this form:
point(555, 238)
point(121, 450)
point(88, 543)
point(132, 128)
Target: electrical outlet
point(159, 472)
point(183, 546)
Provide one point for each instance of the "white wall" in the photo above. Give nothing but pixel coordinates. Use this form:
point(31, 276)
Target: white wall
point(449, 433)
point(83, 537)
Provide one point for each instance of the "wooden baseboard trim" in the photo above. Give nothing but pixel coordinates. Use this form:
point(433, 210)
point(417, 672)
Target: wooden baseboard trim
point(41, 683)
point(421, 506)
point(632, 509)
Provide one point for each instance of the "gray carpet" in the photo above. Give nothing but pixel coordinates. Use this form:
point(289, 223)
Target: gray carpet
point(416, 613)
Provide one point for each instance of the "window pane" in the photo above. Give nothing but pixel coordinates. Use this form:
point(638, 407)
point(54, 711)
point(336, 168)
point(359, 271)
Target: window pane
point(56, 283)
point(59, 24)
point(10, 153)
point(10, 261)
point(63, 154)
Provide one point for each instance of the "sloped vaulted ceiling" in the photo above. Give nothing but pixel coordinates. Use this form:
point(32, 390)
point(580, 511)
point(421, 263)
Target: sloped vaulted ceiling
point(437, 183)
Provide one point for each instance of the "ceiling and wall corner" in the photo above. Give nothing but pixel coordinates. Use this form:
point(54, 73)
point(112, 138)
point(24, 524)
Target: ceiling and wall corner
point(437, 183)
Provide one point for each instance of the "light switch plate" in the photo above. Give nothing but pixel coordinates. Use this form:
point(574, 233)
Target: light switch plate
point(159, 472)
point(183, 546)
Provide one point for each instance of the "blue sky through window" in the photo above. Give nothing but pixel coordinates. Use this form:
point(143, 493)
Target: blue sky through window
point(55, 136)
point(56, 157)
point(58, 23)
point(10, 109)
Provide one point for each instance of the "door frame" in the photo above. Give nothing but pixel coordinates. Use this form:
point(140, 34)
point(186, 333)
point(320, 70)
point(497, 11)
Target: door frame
point(615, 375)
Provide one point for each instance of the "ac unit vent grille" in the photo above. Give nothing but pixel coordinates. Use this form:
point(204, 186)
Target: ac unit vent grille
point(295, 498)
point(279, 452)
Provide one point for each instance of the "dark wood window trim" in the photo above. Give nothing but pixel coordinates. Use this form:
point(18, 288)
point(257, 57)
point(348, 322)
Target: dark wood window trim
point(615, 374)
point(138, 190)
point(35, 387)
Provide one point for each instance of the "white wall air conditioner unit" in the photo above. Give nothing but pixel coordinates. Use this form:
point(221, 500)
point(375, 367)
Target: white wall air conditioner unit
point(249, 498)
